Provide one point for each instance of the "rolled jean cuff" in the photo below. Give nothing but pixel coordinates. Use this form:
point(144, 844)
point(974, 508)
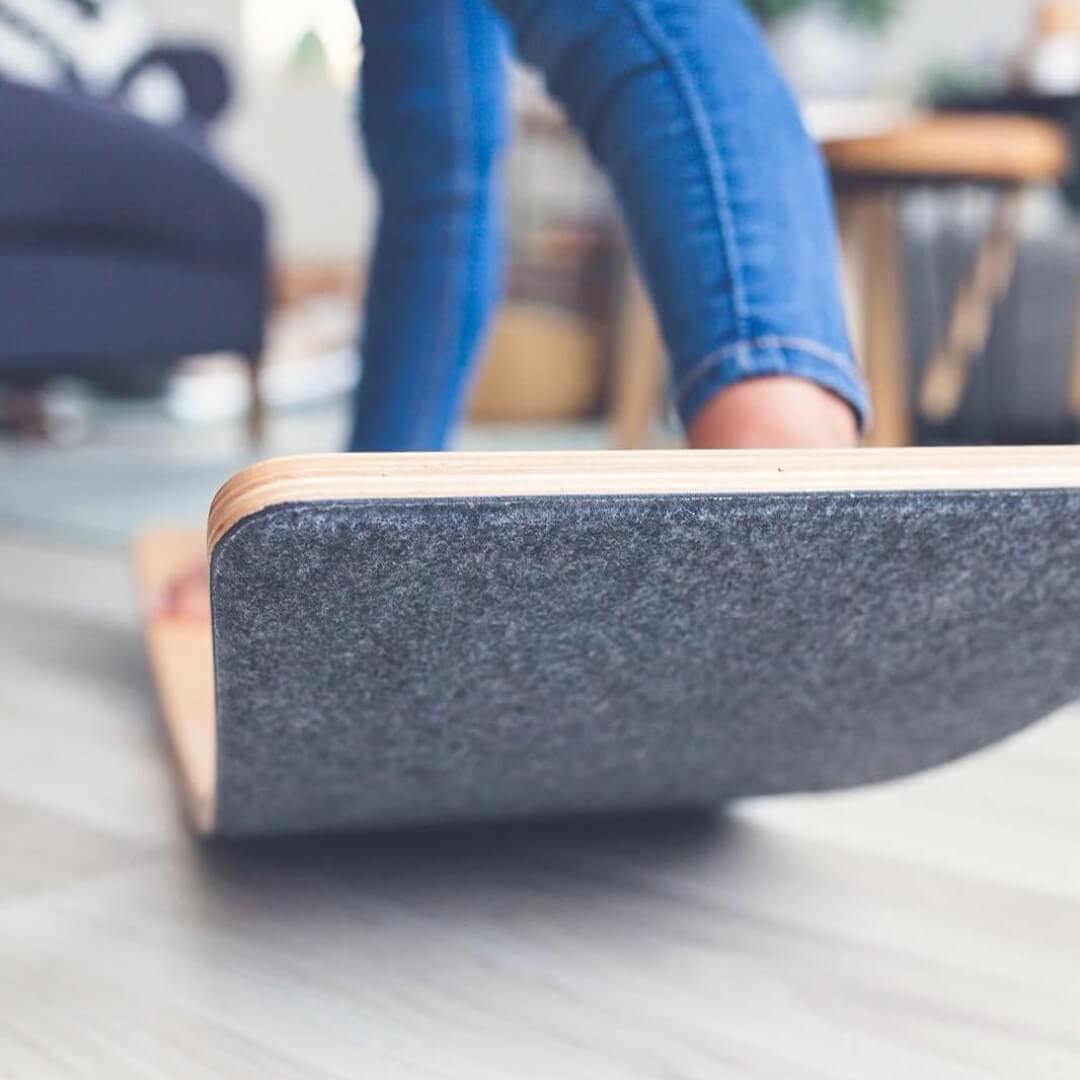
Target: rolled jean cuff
point(835, 371)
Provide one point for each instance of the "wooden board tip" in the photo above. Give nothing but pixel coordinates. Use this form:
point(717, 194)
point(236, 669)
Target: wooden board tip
point(180, 650)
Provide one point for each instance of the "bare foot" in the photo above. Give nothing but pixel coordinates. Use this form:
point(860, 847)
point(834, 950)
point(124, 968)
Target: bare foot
point(187, 596)
point(774, 412)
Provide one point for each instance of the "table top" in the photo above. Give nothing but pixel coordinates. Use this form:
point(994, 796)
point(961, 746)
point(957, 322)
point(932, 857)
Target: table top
point(927, 929)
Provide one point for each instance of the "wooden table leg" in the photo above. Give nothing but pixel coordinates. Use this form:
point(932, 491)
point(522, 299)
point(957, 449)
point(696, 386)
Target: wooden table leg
point(1074, 389)
point(971, 321)
point(850, 210)
point(873, 231)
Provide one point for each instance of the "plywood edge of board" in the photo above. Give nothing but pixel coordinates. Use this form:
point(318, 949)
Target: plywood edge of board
point(180, 651)
point(346, 477)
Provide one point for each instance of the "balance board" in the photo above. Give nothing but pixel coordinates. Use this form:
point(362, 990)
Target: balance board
point(430, 638)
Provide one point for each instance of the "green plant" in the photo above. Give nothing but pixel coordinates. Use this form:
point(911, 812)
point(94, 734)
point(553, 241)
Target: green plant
point(865, 14)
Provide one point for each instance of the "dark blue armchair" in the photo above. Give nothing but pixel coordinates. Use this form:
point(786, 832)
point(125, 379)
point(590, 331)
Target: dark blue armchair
point(123, 246)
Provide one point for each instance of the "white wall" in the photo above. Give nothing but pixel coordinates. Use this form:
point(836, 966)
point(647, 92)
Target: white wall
point(933, 32)
point(928, 33)
point(293, 141)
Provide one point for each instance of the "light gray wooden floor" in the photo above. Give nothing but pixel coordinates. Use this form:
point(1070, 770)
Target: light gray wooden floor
point(929, 931)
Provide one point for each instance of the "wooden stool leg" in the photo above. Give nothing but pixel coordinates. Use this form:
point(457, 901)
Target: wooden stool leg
point(1074, 389)
point(638, 386)
point(968, 333)
point(22, 411)
point(257, 409)
point(849, 213)
point(884, 349)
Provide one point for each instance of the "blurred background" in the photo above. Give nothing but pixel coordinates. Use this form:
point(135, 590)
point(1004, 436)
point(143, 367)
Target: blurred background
point(128, 380)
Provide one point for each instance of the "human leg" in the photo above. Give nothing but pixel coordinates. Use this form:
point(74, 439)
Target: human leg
point(726, 201)
point(433, 115)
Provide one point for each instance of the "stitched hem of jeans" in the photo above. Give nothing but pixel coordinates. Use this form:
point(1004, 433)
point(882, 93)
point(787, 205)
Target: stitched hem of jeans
point(707, 144)
point(772, 355)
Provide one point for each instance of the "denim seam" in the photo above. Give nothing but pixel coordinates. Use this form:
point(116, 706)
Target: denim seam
point(707, 146)
point(759, 344)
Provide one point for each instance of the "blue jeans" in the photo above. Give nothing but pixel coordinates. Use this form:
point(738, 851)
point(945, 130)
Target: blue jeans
point(725, 196)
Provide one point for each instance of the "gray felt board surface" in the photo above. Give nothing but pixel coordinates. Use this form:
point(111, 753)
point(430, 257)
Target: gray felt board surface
point(401, 662)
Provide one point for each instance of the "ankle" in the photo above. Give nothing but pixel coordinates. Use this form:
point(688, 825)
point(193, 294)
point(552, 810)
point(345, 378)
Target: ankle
point(774, 412)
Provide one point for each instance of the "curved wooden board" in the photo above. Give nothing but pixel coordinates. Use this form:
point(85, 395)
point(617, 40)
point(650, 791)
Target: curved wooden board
point(351, 592)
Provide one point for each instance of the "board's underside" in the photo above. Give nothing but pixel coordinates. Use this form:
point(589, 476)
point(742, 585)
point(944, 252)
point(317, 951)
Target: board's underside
point(385, 662)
